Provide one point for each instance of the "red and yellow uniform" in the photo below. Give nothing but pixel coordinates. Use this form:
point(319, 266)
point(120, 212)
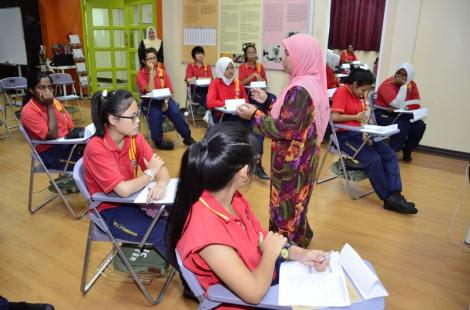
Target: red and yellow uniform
point(331, 79)
point(388, 91)
point(347, 57)
point(345, 102)
point(193, 70)
point(161, 80)
point(34, 119)
point(245, 70)
point(219, 92)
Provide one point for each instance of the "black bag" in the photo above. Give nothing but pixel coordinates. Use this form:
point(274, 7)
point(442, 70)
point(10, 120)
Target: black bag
point(76, 133)
point(62, 60)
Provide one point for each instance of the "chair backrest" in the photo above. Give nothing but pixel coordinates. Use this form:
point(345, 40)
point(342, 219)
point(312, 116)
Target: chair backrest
point(79, 178)
point(191, 279)
point(14, 82)
point(61, 78)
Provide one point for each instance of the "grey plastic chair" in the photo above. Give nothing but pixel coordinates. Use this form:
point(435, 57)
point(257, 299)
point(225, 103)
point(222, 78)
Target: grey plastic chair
point(65, 80)
point(38, 166)
point(98, 231)
point(16, 85)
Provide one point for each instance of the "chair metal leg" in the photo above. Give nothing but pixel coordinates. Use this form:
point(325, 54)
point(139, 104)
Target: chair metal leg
point(79, 110)
point(322, 163)
point(5, 123)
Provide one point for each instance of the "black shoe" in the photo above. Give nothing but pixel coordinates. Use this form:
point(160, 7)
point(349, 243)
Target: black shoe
point(393, 203)
point(260, 173)
point(402, 198)
point(407, 156)
point(165, 145)
point(189, 141)
point(29, 306)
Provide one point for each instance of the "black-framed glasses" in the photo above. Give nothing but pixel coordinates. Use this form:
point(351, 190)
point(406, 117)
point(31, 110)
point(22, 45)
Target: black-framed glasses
point(134, 117)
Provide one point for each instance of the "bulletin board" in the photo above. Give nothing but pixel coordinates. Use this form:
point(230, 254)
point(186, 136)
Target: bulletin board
point(200, 25)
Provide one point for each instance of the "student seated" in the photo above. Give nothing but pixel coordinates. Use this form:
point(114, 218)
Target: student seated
point(111, 161)
point(45, 118)
point(212, 225)
point(378, 160)
point(198, 69)
point(398, 92)
point(332, 61)
point(224, 87)
point(152, 77)
point(348, 56)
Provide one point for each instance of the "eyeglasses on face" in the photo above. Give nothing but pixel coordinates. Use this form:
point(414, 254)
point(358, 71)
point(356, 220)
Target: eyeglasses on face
point(133, 117)
point(151, 58)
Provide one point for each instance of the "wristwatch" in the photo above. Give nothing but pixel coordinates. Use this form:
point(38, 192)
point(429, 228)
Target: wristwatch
point(150, 173)
point(285, 250)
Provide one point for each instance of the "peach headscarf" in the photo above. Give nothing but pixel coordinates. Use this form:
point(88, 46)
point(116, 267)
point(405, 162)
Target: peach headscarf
point(308, 72)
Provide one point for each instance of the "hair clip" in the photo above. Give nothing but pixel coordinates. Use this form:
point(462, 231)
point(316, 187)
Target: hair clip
point(104, 93)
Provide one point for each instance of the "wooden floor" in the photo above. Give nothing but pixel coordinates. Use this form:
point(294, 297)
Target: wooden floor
point(41, 255)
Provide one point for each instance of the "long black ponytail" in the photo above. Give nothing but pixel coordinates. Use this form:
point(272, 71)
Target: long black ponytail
point(209, 164)
point(104, 104)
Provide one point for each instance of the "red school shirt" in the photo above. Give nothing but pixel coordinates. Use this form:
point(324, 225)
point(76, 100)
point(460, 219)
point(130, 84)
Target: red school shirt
point(219, 92)
point(245, 70)
point(388, 91)
point(331, 79)
point(347, 57)
point(210, 223)
point(34, 119)
point(345, 102)
point(193, 70)
point(161, 80)
point(106, 165)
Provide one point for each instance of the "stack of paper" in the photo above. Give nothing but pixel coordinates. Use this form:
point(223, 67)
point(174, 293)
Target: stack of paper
point(417, 114)
point(258, 84)
point(201, 82)
point(380, 130)
point(168, 199)
point(304, 286)
point(231, 105)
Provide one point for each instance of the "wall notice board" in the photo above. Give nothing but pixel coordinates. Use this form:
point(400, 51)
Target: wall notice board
point(222, 26)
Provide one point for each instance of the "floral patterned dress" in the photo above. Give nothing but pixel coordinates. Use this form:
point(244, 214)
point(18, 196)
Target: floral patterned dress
point(294, 162)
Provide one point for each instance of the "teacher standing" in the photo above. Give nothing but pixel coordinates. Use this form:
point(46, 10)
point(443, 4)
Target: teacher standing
point(296, 125)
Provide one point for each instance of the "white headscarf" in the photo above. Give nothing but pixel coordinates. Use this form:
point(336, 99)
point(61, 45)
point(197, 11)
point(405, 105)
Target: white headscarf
point(155, 43)
point(332, 59)
point(220, 68)
point(409, 70)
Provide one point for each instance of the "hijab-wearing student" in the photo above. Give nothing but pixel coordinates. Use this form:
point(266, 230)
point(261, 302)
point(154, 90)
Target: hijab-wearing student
point(332, 61)
point(111, 161)
point(212, 225)
point(224, 87)
point(151, 41)
point(195, 70)
point(152, 77)
point(398, 92)
point(296, 126)
point(378, 160)
point(348, 56)
point(45, 118)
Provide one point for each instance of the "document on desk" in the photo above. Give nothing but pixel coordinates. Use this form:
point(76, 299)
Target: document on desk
point(88, 133)
point(331, 92)
point(366, 282)
point(381, 130)
point(417, 114)
point(304, 286)
point(168, 199)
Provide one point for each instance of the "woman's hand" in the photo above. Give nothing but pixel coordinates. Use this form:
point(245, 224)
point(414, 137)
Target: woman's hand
point(157, 192)
point(246, 111)
point(271, 244)
point(315, 258)
point(362, 117)
point(399, 80)
point(155, 163)
point(259, 95)
point(46, 97)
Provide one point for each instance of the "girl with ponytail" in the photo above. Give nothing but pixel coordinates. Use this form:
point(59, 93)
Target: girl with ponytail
point(111, 161)
point(212, 226)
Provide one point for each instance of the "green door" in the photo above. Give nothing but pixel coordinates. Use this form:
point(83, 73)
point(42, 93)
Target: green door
point(114, 30)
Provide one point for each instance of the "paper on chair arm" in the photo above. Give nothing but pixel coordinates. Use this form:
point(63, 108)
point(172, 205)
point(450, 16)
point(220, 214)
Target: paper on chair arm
point(89, 131)
point(167, 199)
point(382, 130)
point(331, 92)
point(159, 93)
point(367, 283)
point(201, 82)
point(258, 84)
point(419, 114)
point(233, 104)
point(301, 285)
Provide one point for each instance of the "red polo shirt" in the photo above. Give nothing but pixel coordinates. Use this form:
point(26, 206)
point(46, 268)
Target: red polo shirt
point(331, 79)
point(142, 79)
point(245, 70)
point(210, 223)
point(388, 91)
point(345, 102)
point(218, 92)
point(347, 57)
point(106, 165)
point(35, 121)
point(193, 70)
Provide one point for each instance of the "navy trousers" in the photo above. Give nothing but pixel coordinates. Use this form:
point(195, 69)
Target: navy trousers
point(155, 117)
point(129, 222)
point(379, 162)
point(56, 156)
point(410, 133)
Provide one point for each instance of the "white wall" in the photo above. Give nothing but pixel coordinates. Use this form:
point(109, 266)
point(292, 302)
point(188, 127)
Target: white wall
point(432, 34)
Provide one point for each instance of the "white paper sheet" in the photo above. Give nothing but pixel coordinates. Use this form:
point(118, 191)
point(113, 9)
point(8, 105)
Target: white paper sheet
point(331, 92)
point(89, 132)
point(304, 286)
point(258, 84)
point(201, 82)
point(417, 114)
point(367, 283)
point(231, 105)
point(168, 199)
point(381, 130)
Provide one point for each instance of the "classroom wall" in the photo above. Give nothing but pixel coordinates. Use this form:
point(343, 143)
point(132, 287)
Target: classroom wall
point(431, 34)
